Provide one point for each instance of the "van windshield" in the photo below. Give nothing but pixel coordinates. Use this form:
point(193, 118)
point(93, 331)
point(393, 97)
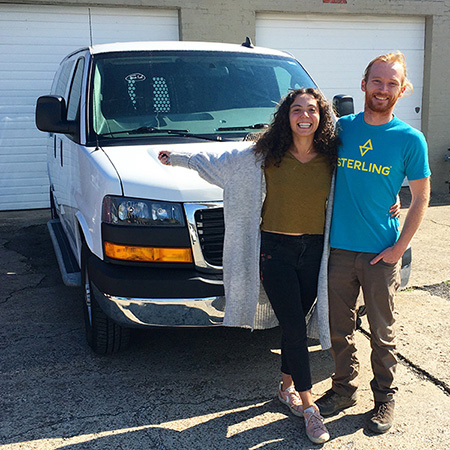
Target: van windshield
point(139, 94)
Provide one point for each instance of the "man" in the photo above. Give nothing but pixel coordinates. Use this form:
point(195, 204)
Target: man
point(377, 151)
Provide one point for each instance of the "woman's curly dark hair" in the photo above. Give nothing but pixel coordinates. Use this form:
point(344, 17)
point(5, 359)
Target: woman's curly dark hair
point(275, 142)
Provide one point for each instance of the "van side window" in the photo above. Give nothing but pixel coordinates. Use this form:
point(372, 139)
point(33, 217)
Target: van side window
point(75, 91)
point(62, 79)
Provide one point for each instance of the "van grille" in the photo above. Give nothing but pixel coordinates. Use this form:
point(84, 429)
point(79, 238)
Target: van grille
point(210, 228)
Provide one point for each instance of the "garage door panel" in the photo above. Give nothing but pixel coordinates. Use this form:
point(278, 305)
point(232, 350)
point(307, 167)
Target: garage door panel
point(33, 41)
point(16, 64)
point(337, 21)
point(24, 150)
point(34, 29)
point(350, 40)
point(37, 57)
point(361, 55)
point(372, 39)
point(106, 26)
point(22, 82)
point(17, 162)
point(19, 130)
point(9, 144)
point(48, 40)
point(18, 99)
point(20, 185)
point(25, 166)
point(14, 200)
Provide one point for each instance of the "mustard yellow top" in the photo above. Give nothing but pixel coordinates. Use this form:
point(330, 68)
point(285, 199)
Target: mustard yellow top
point(296, 195)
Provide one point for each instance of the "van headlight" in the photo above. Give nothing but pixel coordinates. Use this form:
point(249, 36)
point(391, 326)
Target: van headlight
point(135, 211)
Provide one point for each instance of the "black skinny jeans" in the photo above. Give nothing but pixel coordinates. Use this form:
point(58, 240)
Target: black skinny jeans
point(289, 268)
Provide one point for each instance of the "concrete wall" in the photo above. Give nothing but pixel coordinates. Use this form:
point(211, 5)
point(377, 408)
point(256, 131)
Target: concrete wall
point(233, 20)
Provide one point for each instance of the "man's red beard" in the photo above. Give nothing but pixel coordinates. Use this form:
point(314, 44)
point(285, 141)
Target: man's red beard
point(374, 105)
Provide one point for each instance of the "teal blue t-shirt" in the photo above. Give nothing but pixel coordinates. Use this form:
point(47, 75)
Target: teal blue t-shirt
point(373, 162)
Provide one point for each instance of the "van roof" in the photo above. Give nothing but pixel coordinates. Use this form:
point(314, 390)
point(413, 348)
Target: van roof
point(180, 46)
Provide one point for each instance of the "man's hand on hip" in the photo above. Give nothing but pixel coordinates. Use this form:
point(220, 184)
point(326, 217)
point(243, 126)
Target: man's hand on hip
point(390, 255)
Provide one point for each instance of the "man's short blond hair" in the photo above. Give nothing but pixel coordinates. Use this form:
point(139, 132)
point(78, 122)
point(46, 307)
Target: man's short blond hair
point(395, 57)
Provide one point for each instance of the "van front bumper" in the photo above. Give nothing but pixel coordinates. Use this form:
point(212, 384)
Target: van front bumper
point(168, 297)
point(162, 312)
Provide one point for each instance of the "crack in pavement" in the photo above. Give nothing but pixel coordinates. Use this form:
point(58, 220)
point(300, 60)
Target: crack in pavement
point(17, 291)
point(136, 414)
point(415, 368)
point(35, 338)
point(438, 223)
point(59, 422)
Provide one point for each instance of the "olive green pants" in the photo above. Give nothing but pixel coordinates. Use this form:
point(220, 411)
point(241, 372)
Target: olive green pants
point(348, 272)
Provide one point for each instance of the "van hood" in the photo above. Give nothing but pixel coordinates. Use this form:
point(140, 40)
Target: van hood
point(143, 176)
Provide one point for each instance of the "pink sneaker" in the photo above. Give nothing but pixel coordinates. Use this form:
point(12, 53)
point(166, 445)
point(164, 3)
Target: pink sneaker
point(291, 398)
point(315, 428)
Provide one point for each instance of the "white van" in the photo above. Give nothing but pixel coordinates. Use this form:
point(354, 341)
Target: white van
point(143, 240)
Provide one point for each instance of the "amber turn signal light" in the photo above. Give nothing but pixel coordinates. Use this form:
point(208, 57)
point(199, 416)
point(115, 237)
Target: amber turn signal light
point(148, 254)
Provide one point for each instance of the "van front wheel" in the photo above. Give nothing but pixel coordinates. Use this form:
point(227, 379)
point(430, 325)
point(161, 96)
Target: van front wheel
point(102, 334)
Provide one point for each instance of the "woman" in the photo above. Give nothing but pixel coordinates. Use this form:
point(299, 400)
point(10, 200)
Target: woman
point(292, 165)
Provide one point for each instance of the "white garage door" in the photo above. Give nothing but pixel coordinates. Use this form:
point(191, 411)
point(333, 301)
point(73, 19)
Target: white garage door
point(33, 40)
point(336, 49)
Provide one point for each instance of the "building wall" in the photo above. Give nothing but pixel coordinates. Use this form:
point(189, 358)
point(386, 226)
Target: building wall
point(233, 20)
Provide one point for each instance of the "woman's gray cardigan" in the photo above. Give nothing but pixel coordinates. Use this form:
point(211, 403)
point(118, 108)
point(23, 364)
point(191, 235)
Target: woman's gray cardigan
point(239, 173)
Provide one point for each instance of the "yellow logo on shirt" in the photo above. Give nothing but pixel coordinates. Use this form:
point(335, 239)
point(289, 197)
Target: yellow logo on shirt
point(366, 147)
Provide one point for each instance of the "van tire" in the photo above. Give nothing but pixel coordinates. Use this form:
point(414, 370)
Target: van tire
point(103, 335)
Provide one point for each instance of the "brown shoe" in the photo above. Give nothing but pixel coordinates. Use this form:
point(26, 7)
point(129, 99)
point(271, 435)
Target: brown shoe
point(382, 416)
point(331, 402)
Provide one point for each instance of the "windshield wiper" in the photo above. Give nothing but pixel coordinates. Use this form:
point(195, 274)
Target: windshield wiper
point(150, 130)
point(144, 130)
point(256, 126)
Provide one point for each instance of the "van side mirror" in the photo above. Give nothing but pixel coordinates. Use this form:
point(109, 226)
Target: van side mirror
point(343, 105)
point(51, 113)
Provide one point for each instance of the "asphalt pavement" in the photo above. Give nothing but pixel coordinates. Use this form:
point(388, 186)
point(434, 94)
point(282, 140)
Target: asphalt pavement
point(201, 388)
